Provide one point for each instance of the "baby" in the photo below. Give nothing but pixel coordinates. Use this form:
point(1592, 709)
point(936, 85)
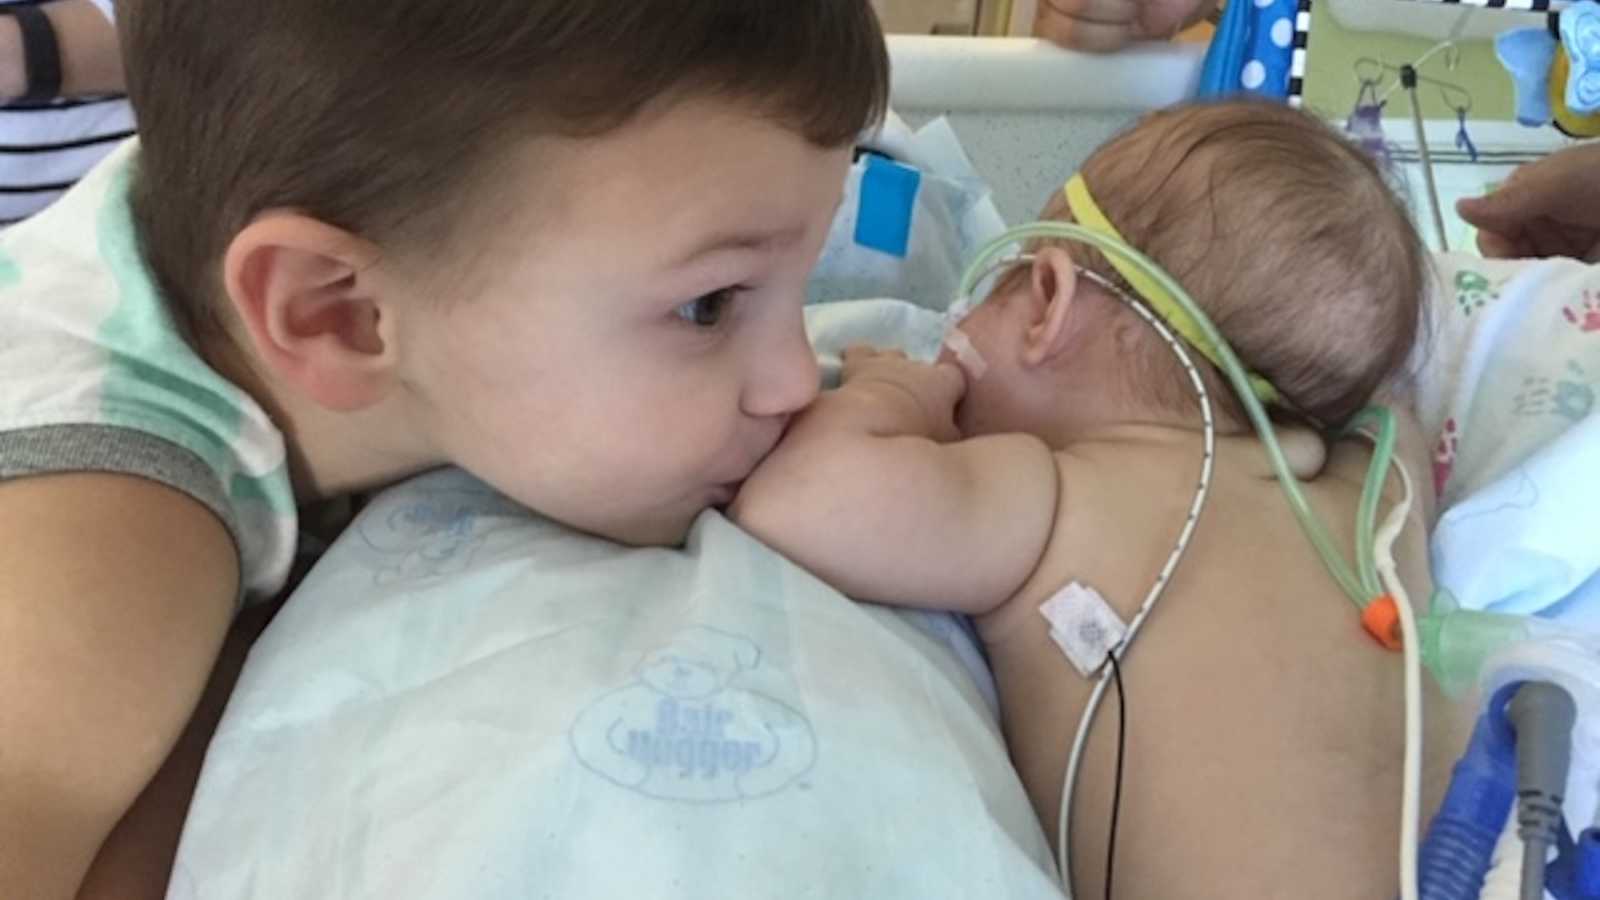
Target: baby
point(1068, 456)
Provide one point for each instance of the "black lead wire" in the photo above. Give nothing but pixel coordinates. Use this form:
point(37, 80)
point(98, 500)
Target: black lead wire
point(1122, 746)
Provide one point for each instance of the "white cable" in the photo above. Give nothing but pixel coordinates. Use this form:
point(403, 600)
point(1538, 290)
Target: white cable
point(1411, 790)
point(1163, 578)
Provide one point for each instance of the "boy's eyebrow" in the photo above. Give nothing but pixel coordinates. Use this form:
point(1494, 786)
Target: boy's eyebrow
point(741, 239)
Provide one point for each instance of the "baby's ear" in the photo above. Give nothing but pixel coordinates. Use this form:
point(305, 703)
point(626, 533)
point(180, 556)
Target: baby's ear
point(1053, 287)
point(302, 291)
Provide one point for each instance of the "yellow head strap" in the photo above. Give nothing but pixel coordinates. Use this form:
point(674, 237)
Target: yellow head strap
point(1157, 298)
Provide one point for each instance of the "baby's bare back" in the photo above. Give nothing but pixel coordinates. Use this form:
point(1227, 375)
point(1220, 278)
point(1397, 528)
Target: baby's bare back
point(1265, 728)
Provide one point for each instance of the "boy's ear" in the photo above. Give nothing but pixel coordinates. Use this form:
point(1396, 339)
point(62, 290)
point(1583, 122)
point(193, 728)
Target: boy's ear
point(310, 309)
point(1053, 288)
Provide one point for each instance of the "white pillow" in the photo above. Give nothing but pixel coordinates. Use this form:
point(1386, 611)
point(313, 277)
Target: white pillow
point(464, 700)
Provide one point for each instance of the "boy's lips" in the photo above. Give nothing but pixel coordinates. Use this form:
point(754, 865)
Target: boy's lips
point(768, 445)
point(724, 490)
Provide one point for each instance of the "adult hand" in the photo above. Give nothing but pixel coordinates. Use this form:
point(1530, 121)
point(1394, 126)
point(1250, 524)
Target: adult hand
point(1547, 208)
point(1102, 26)
point(91, 60)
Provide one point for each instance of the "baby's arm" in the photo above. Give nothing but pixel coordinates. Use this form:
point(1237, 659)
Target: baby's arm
point(873, 491)
point(115, 593)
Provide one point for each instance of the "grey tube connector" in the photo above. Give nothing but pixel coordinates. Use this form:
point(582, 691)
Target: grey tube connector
point(1542, 714)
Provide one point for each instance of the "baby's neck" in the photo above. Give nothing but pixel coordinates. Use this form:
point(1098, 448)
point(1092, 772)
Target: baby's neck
point(1303, 449)
point(1130, 430)
point(1097, 415)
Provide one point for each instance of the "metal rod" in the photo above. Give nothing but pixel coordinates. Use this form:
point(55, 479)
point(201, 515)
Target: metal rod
point(992, 18)
point(1408, 77)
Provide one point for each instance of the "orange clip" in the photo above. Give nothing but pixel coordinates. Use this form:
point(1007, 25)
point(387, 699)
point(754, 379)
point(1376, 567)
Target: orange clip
point(1381, 619)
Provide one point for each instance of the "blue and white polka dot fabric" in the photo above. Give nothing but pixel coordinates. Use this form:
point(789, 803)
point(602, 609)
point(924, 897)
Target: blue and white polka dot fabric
point(1252, 50)
point(1266, 68)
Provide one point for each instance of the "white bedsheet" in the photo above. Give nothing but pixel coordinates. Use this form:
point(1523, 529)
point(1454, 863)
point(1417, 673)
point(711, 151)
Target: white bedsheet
point(1507, 390)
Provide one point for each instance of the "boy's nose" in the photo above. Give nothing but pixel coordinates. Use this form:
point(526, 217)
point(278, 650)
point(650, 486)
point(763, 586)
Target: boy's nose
point(784, 380)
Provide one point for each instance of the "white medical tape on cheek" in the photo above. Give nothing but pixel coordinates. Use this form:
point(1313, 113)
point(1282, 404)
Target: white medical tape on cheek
point(966, 354)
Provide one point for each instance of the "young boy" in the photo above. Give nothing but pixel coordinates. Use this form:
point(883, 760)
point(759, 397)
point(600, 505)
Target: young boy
point(1069, 455)
point(560, 243)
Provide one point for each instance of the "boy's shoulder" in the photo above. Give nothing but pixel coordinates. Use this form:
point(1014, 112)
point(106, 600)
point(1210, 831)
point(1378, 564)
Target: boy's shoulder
point(100, 379)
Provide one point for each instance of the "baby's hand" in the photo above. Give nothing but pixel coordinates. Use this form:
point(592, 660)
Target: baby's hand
point(933, 390)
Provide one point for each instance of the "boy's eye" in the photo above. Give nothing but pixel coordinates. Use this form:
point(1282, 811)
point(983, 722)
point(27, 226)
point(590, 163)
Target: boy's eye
point(707, 311)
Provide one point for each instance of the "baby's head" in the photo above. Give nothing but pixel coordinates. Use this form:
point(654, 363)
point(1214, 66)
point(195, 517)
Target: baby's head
point(561, 243)
point(1284, 233)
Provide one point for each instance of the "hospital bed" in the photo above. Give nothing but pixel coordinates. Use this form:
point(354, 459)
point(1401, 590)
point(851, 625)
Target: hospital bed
point(1028, 114)
point(464, 700)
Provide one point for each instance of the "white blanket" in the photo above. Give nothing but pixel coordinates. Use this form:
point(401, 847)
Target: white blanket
point(1507, 390)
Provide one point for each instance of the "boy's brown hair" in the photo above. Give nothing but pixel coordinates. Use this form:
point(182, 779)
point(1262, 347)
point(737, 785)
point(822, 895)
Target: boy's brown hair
point(1286, 234)
point(382, 116)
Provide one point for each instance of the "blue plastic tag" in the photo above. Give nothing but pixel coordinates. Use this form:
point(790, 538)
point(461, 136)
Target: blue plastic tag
point(888, 197)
